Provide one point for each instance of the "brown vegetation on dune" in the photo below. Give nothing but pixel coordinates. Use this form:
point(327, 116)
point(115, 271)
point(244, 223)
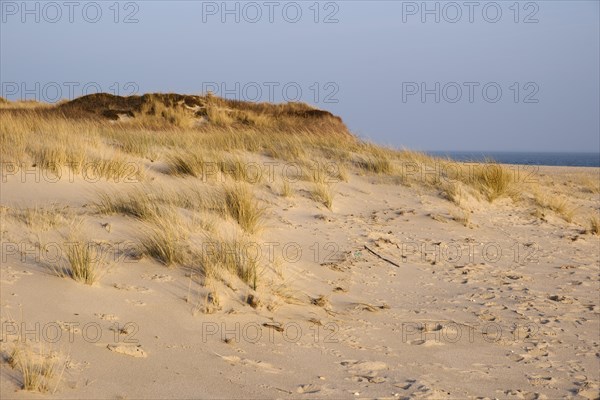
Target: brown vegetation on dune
point(158, 109)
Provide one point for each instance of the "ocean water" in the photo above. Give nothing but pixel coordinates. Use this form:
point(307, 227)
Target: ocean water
point(526, 158)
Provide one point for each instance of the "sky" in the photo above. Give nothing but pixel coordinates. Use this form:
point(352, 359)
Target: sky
point(436, 75)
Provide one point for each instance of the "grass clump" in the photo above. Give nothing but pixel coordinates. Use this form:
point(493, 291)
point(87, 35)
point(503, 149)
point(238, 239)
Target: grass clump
point(39, 369)
point(115, 168)
point(286, 189)
point(493, 180)
point(84, 262)
point(141, 203)
point(463, 217)
point(243, 207)
point(182, 164)
point(39, 218)
point(375, 160)
point(240, 170)
point(559, 205)
point(164, 245)
point(595, 225)
point(376, 164)
point(453, 192)
point(238, 256)
point(323, 193)
point(163, 242)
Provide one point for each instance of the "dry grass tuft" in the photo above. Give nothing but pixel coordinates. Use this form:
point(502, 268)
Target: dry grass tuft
point(323, 193)
point(376, 164)
point(557, 204)
point(493, 180)
point(115, 168)
point(39, 369)
point(243, 207)
point(238, 256)
point(286, 189)
point(142, 202)
point(453, 192)
point(463, 217)
point(84, 261)
point(240, 170)
point(38, 218)
point(164, 241)
point(187, 163)
point(595, 225)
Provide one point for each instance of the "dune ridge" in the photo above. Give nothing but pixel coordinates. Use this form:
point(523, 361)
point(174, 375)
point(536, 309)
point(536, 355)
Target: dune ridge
point(175, 246)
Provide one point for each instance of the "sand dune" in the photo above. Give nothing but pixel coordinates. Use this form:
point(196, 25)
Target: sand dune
point(346, 270)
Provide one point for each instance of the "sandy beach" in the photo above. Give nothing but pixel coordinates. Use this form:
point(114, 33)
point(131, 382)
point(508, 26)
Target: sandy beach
point(403, 283)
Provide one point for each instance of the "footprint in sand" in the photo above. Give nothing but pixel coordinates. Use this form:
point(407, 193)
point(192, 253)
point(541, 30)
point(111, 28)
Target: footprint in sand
point(10, 275)
point(235, 360)
point(406, 384)
point(539, 380)
point(365, 370)
point(68, 327)
point(129, 350)
point(426, 343)
point(523, 394)
point(487, 316)
point(107, 317)
point(137, 303)
point(132, 288)
point(158, 277)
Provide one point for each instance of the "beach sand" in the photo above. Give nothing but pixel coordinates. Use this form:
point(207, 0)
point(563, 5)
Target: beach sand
point(395, 292)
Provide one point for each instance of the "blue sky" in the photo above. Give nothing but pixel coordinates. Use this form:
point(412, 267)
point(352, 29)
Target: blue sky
point(503, 75)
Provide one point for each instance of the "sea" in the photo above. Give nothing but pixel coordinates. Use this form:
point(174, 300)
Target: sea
point(525, 158)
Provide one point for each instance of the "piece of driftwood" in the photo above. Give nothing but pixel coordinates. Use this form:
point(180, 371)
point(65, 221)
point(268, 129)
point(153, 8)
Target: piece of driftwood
point(383, 258)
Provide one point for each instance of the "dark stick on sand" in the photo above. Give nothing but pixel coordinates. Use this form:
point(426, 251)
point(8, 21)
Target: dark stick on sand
point(383, 258)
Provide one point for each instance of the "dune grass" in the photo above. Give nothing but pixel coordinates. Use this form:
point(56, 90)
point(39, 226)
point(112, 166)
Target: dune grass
point(323, 193)
point(559, 205)
point(164, 244)
point(376, 165)
point(239, 255)
point(243, 207)
point(39, 218)
point(187, 163)
point(144, 203)
point(286, 189)
point(40, 369)
point(114, 168)
point(85, 262)
point(493, 180)
point(220, 138)
point(463, 217)
point(595, 225)
point(453, 192)
point(154, 114)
